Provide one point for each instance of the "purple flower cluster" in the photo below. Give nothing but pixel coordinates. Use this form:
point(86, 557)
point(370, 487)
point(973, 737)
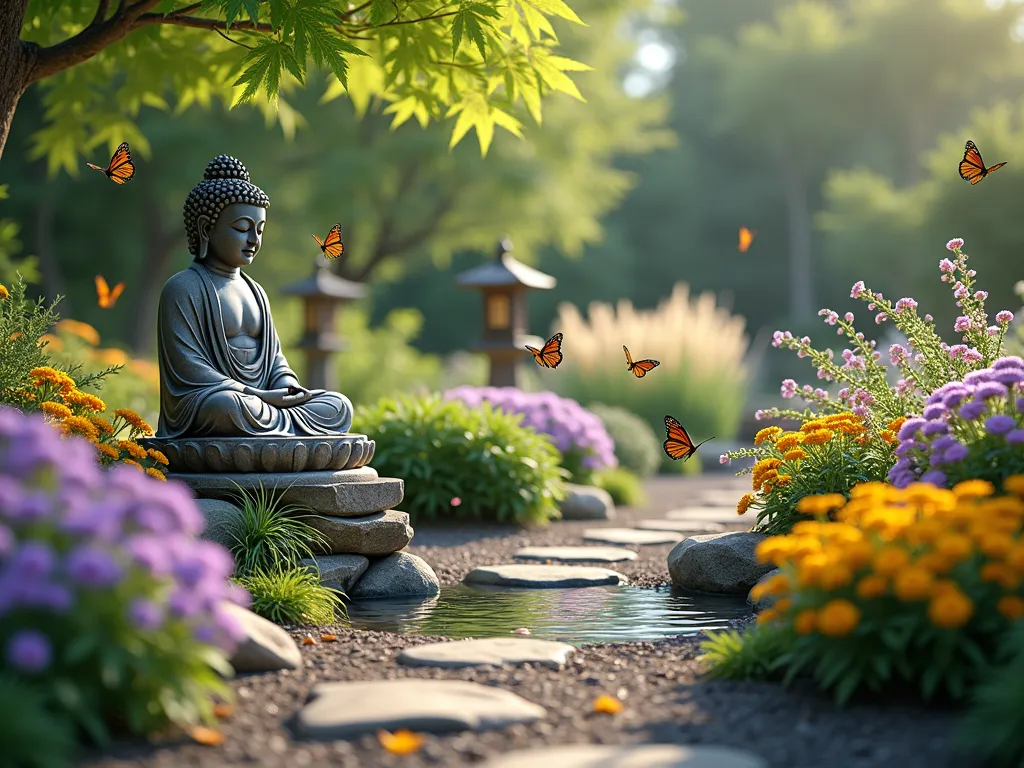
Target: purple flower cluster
point(74, 535)
point(987, 402)
point(570, 425)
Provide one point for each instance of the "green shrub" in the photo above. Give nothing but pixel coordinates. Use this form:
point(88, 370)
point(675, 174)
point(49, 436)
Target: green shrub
point(622, 485)
point(637, 447)
point(269, 535)
point(757, 653)
point(445, 450)
point(292, 596)
point(22, 322)
point(32, 734)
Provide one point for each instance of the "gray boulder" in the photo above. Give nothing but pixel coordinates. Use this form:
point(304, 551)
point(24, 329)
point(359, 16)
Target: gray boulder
point(266, 648)
point(719, 563)
point(587, 502)
point(397, 575)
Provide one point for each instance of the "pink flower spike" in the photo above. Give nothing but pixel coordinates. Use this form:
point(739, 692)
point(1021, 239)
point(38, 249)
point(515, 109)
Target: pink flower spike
point(1004, 317)
point(947, 266)
point(955, 244)
point(981, 295)
point(880, 318)
point(858, 289)
point(723, 459)
point(928, 318)
point(456, 501)
point(848, 317)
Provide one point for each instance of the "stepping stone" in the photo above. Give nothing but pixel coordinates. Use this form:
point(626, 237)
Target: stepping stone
point(576, 554)
point(721, 498)
point(632, 756)
point(487, 652)
point(542, 576)
point(352, 709)
point(680, 526)
point(705, 514)
point(631, 536)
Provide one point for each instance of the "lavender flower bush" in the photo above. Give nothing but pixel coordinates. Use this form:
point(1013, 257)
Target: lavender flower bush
point(577, 433)
point(110, 608)
point(969, 429)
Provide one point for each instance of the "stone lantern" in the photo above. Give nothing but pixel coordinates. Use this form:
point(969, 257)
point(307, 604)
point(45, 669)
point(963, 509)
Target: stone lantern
point(322, 293)
point(504, 282)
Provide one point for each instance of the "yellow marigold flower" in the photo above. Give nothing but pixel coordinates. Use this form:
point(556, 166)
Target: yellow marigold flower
point(134, 419)
point(4, 293)
point(812, 425)
point(818, 437)
point(773, 548)
point(795, 455)
point(890, 560)
point(154, 472)
point(788, 441)
point(131, 463)
point(111, 356)
point(85, 400)
point(1014, 484)
point(1015, 557)
point(858, 553)
point(783, 605)
point(995, 544)
point(924, 531)
point(810, 569)
point(871, 586)
point(889, 436)
point(783, 480)
point(994, 571)
point(821, 504)
point(108, 450)
point(102, 425)
point(47, 375)
point(52, 342)
point(132, 448)
point(157, 456)
point(838, 618)
point(84, 331)
point(56, 410)
point(950, 609)
point(849, 428)
point(77, 425)
point(973, 489)
point(835, 576)
point(953, 545)
point(838, 418)
point(744, 503)
point(805, 622)
point(767, 434)
point(1011, 606)
point(896, 424)
point(936, 562)
point(913, 583)
point(768, 614)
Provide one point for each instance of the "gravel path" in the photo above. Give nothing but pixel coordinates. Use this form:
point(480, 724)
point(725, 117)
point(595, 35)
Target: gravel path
point(661, 684)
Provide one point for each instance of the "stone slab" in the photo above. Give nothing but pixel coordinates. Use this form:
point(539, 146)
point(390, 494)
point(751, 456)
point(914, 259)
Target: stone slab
point(266, 647)
point(631, 756)
point(680, 526)
point(352, 709)
point(631, 536)
point(576, 554)
point(587, 502)
point(542, 576)
point(345, 493)
point(397, 575)
point(338, 572)
point(378, 534)
point(487, 652)
point(705, 514)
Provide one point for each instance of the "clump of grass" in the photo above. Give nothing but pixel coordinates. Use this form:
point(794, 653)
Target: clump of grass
point(756, 654)
point(292, 596)
point(270, 536)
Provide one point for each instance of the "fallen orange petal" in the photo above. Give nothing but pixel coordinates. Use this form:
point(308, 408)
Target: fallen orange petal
point(208, 737)
point(403, 742)
point(223, 710)
point(328, 638)
point(607, 705)
point(308, 640)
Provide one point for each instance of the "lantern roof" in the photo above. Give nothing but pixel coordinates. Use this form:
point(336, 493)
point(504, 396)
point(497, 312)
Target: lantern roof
point(324, 283)
point(505, 271)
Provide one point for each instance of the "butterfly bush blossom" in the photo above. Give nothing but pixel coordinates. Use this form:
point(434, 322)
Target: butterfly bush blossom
point(578, 434)
point(968, 429)
point(108, 553)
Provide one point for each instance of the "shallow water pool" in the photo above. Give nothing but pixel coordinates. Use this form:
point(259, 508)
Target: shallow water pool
point(578, 616)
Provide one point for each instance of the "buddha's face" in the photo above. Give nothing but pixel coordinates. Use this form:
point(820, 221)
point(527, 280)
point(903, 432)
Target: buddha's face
point(235, 238)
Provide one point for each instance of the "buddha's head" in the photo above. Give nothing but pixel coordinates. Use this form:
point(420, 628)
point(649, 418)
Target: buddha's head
point(225, 214)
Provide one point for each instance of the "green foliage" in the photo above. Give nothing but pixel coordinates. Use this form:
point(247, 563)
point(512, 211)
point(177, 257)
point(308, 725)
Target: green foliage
point(269, 536)
point(293, 596)
point(637, 447)
point(22, 322)
point(757, 653)
point(444, 450)
point(32, 734)
point(625, 488)
point(10, 267)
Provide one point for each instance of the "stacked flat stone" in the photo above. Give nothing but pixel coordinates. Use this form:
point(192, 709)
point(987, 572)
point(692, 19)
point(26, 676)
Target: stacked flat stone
point(354, 509)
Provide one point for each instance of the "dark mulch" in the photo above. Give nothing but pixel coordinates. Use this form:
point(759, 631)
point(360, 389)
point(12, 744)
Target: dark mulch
point(661, 684)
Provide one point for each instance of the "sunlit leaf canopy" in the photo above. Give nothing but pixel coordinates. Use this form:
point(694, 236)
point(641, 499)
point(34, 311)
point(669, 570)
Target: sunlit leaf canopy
point(479, 65)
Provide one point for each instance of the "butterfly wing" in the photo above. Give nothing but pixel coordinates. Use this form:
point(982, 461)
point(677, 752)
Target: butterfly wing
point(677, 444)
point(995, 167)
point(642, 367)
point(746, 238)
point(102, 292)
point(121, 168)
point(629, 357)
point(332, 246)
point(115, 293)
point(551, 355)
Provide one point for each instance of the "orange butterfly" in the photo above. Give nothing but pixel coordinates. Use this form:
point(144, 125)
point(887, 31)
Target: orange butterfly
point(121, 167)
point(104, 295)
point(332, 246)
point(679, 445)
point(746, 238)
point(972, 168)
point(551, 355)
point(641, 367)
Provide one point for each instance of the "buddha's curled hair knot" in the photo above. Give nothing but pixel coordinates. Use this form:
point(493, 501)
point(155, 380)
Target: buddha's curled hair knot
point(225, 181)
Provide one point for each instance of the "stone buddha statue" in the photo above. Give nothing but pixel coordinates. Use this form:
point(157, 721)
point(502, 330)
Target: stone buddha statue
point(222, 373)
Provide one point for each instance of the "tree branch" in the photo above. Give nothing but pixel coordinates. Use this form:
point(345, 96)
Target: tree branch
point(215, 25)
point(386, 250)
point(101, 12)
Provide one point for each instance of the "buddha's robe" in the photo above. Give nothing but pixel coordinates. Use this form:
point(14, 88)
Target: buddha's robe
point(202, 377)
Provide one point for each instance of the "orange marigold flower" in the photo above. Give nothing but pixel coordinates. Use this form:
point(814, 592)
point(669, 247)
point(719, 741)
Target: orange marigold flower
point(889, 436)
point(85, 400)
point(158, 456)
point(4, 293)
point(950, 608)
point(788, 441)
point(744, 503)
point(818, 437)
point(102, 425)
point(56, 410)
point(913, 583)
point(78, 425)
point(890, 560)
point(1011, 606)
point(871, 586)
point(154, 472)
point(805, 622)
point(134, 419)
point(84, 331)
point(838, 618)
point(131, 463)
point(895, 424)
point(973, 489)
point(767, 434)
point(795, 455)
point(108, 450)
point(1014, 484)
point(132, 448)
point(47, 375)
point(50, 341)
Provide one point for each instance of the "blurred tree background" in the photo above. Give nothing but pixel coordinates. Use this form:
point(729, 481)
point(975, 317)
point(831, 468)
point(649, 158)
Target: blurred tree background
point(832, 128)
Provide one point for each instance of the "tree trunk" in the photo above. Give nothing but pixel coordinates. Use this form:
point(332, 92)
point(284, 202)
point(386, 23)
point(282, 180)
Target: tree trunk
point(801, 278)
point(15, 63)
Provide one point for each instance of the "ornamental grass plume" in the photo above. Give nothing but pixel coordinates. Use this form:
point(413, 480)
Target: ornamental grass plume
point(111, 608)
point(702, 348)
point(914, 585)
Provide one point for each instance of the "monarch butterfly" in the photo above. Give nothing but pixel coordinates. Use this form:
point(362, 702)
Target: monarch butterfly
point(678, 444)
point(106, 297)
point(746, 238)
point(121, 167)
point(332, 246)
point(551, 355)
point(972, 168)
point(640, 367)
